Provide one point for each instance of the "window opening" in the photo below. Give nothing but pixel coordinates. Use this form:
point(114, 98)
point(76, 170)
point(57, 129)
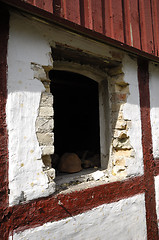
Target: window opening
point(76, 121)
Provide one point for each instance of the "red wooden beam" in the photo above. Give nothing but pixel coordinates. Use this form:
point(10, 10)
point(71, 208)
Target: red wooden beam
point(54, 208)
point(135, 26)
point(151, 216)
point(156, 167)
point(155, 24)
point(146, 24)
point(127, 22)
point(117, 17)
point(4, 34)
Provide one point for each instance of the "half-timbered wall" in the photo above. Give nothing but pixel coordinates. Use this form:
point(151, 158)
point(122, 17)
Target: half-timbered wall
point(121, 205)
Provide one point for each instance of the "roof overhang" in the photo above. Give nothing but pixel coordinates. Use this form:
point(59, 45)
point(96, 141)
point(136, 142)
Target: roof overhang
point(52, 18)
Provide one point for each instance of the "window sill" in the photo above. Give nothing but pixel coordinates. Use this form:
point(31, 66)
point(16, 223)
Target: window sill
point(84, 179)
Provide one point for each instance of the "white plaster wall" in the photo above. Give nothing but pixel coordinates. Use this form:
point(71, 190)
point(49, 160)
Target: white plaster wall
point(29, 42)
point(122, 220)
point(26, 45)
point(131, 111)
point(157, 196)
point(154, 106)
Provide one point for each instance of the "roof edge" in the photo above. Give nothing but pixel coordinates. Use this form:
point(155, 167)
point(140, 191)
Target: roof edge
point(51, 18)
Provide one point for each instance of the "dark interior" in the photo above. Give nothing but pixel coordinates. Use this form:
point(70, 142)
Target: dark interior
point(76, 113)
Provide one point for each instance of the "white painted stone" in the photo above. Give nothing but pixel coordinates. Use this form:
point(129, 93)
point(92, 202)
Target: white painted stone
point(131, 111)
point(154, 106)
point(122, 220)
point(26, 177)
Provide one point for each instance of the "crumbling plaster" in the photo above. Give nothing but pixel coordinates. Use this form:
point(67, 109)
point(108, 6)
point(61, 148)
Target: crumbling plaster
point(131, 111)
point(26, 177)
point(126, 157)
point(29, 60)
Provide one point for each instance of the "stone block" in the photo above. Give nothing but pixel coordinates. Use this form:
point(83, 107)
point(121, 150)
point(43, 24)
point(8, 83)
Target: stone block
point(51, 174)
point(120, 134)
point(47, 161)
point(119, 80)
point(120, 162)
point(115, 71)
point(123, 153)
point(46, 99)
point(46, 112)
point(121, 89)
point(45, 138)
point(122, 144)
point(119, 172)
point(47, 150)
point(118, 97)
point(121, 97)
point(44, 124)
point(120, 124)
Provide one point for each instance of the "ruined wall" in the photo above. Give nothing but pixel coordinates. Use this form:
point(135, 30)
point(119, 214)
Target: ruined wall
point(30, 124)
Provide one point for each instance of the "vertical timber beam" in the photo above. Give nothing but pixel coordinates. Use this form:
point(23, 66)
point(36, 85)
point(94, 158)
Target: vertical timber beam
point(4, 33)
point(150, 202)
